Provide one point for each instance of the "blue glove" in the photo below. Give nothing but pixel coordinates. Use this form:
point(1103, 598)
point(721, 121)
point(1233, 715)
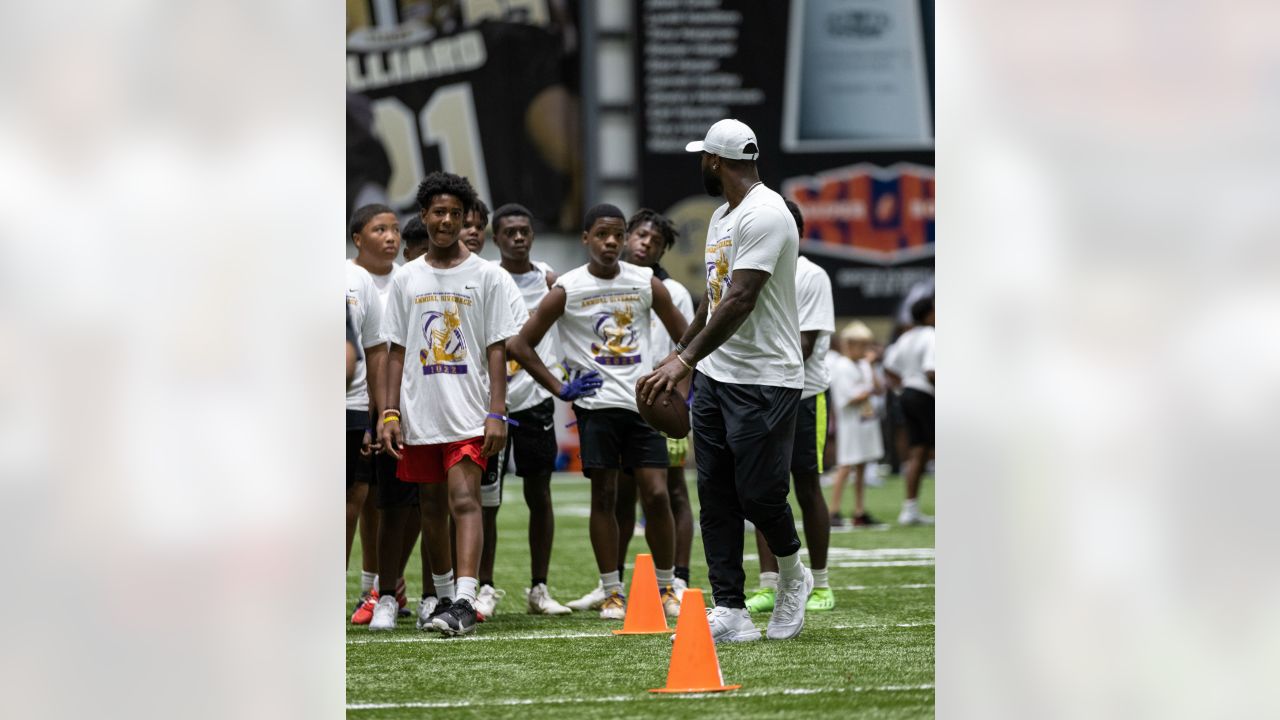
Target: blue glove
point(581, 386)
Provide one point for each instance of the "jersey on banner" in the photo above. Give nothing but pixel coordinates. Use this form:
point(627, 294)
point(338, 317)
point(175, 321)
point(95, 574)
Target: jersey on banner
point(487, 102)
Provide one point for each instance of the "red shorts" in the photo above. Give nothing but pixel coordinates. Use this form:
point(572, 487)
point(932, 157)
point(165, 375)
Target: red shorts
point(431, 463)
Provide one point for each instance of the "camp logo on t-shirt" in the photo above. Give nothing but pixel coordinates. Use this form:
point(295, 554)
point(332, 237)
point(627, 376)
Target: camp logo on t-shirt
point(718, 270)
point(446, 350)
point(614, 325)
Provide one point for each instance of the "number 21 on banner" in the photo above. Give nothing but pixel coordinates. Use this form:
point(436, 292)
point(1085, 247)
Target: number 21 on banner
point(448, 120)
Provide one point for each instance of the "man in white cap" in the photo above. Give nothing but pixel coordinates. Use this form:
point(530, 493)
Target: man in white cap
point(745, 342)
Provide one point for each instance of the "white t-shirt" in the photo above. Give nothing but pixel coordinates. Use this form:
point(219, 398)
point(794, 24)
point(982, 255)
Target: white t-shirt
point(660, 341)
point(906, 358)
point(446, 319)
point(523, 392)
point(366, 318)
point(759, 234)
point(817, 312)
point(605, 327)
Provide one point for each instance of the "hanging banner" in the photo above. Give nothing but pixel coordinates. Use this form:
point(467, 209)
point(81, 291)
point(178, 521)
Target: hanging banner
point(839, 95)
point(488, 93)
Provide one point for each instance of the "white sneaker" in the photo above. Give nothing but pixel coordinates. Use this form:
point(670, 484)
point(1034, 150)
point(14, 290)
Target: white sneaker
point(680, 586)
point(913, 516)
point(787, 619)
point(593, 600)
point(541, 602)
point(384, 613)
point(729, 625)
point(614, 607)
point(486, 604)
point(426, 606)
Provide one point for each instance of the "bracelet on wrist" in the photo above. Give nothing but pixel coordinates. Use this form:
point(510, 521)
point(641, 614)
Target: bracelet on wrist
point(503, 418)
point(684, 362)
point(392, 411)
point(386, 420)
point(681, 347)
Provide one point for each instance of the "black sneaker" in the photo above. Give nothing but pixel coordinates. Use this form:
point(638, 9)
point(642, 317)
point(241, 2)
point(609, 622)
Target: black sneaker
point(837, 520)
point(864, 520)
point(459, 619)
point(441, 608)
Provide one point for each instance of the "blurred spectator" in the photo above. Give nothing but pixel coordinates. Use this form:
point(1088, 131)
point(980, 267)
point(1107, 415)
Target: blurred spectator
point(905, 366)
point(858, 440)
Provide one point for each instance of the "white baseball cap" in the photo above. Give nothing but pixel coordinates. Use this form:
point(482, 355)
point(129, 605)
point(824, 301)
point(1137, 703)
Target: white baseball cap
point(728, 139)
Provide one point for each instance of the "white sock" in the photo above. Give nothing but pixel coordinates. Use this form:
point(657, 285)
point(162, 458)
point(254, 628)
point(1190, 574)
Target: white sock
point(610, 582)
point(769, 580)
point(467, 589)
point(367, 580)
point(789, 566)
point(665, 577)
point(444, 585)
point(909, 505)
point(820, 578)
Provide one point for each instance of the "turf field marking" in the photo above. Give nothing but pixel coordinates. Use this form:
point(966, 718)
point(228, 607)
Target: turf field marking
point(764, 692)
point(433, 637)
point(913, 586)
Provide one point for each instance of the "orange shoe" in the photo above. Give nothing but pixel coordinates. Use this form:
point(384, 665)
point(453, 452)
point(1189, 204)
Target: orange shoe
point(364, 611)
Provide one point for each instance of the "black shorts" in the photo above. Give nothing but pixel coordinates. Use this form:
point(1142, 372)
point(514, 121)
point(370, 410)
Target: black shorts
point(811, 436)
point(392, 491)
point(359, 468)
point(917, 410)
point(613, 438)
point(532, 443)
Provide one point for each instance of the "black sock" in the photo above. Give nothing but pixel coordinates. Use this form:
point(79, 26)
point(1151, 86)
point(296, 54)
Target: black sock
point(622, 573)
point(537, 581)
point(426, 595)
point(484, 582)
point(682, 573)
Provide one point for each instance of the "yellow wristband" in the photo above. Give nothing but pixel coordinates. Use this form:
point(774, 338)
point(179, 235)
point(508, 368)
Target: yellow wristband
point(386, 420)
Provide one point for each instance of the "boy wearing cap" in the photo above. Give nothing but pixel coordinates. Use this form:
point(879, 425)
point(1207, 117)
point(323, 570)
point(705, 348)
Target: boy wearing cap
point(745, 341)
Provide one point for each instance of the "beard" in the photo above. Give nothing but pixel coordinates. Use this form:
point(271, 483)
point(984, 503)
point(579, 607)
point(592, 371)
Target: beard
point(712, 183)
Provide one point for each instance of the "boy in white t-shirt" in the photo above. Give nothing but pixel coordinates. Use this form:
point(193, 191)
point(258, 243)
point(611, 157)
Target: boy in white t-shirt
point(532, 442)
point(908, 364)
point(447, 320)
point(816, 308)
point(649, 236)
point(603, 313)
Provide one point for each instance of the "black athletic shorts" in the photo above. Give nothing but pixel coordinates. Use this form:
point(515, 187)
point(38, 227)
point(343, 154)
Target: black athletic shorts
point(532, 443)
point(392, 491)
point(917, 409)
point(613, 438)
point(811, 436)
point(358, 466)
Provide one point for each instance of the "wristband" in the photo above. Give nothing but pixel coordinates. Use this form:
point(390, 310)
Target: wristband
point(391, 410)
point(389, 419)
point(681, 347)
point(503, 418)
point(684, 362)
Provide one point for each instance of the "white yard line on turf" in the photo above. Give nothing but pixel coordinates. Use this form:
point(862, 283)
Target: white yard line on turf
point(620, 698)
point(433, 637)
point(913, 586)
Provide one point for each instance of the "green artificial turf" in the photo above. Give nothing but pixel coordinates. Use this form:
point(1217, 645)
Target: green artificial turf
point(873, 655)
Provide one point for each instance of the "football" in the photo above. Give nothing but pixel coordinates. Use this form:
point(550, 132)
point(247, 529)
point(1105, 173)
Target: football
point(668, 414)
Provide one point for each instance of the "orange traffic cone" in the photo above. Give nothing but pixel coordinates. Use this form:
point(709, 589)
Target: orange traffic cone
point(694, 667)
point(644, 607)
